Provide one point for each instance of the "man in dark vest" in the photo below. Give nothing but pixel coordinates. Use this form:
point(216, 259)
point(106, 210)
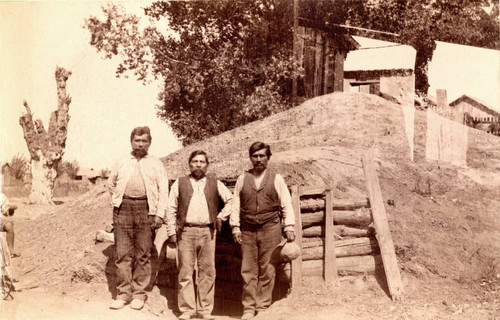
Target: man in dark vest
point(261, 202)
point(192, 216)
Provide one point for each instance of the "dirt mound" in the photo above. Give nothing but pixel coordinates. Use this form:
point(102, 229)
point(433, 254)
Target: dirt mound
point(444, 220)
point(58, 242)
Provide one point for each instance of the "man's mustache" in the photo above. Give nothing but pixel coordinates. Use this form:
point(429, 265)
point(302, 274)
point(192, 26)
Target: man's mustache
point(197, 174)
point(139, 152)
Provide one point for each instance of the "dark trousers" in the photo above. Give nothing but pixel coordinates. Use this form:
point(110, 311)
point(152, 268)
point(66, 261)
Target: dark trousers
point(133, 240)
point(257, 269)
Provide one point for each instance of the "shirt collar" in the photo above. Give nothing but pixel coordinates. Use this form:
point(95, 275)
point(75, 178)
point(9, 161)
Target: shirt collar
point(198, 181)
point(132, 157)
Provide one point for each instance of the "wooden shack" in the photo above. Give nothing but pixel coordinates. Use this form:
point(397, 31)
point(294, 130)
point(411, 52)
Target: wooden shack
point(320, 54)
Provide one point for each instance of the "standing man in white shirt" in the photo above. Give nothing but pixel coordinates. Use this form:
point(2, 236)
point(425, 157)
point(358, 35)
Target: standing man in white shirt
point(139, 187)
point(261, 201)
point(192, 219)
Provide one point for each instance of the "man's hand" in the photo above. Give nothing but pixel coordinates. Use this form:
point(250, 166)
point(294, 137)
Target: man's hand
point(219, 225)
point(290, 236)
point(155, 221)
point(237, 237)
point(172, 238)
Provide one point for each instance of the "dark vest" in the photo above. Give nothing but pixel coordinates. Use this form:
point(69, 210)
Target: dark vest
point(259, 206)
point(186, 193)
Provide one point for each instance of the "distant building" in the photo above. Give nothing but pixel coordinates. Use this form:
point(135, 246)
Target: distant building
point(474, 107)
point(320, 53)
point(466, 70)
point(86, 174)
point(476, 114)
point(381, 68)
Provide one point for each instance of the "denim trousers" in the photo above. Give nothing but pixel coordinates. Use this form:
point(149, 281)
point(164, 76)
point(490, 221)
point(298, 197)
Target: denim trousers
point(196, 247)
point(133, 240)
point(257, 269)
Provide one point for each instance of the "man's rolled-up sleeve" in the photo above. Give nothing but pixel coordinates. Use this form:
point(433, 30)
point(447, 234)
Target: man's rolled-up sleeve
point(171, 214)
point(234, 217)
point(285, 202)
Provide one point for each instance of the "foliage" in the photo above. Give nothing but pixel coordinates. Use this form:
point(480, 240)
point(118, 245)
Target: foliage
point(420, 22)
point(105, 173)
point(70, 168)
point(223, 63)
point(19, 164)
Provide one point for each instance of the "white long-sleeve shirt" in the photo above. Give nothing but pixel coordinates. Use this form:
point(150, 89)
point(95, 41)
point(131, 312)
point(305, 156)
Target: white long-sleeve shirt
point(197, 212)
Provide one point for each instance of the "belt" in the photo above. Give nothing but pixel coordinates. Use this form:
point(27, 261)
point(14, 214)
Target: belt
point(135, 198)
point(198, 225)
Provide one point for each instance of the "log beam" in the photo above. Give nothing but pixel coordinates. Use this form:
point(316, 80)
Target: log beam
point(343, 248)
point(358, 217)
point(350, 265)
point(311, 205)
point(340, 231)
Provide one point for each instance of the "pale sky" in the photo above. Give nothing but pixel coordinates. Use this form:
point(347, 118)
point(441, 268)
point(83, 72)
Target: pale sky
point(35, 37)
point(466, 70)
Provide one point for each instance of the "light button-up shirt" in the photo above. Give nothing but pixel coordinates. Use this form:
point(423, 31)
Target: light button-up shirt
point(198, 208)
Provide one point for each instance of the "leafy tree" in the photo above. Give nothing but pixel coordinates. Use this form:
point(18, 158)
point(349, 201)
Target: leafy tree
point(105, 173)
point(223, 63)
point(19, 164)
point(70, 168)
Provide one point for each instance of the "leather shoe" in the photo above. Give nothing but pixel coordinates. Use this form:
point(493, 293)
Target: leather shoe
point(208, 317)
point(184, 316)
point(247, 316)
point(137, 304)
point(117, 304)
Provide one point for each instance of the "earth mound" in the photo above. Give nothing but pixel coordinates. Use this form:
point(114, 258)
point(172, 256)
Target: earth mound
point(443, 219)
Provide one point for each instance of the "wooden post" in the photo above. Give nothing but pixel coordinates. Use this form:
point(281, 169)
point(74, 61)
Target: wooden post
point(330, 269)
point(442, 100)
point(297, 263)
point(383, 233)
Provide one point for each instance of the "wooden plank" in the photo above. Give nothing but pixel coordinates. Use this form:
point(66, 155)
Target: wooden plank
point(330, 263)
point(297, 263)
point(354, 264)
point(318, 64)
point(383, 233)
point(338, 82)
point(296, 52)
point(313, 192)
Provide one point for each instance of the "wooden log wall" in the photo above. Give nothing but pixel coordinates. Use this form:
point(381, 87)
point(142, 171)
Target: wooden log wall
point(356, 248)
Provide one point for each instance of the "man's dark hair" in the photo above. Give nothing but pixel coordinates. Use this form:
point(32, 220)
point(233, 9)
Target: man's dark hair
point(139, 131)
point(256, 146)
point(198, 152)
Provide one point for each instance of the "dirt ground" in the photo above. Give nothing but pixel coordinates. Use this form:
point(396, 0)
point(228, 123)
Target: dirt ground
point(444, 222)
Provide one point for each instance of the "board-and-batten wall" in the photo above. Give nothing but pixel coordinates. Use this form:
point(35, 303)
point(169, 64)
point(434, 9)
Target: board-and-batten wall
point(322, 62)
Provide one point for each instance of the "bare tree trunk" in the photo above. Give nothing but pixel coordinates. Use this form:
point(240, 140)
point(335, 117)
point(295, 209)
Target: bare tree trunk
point(47, 147)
